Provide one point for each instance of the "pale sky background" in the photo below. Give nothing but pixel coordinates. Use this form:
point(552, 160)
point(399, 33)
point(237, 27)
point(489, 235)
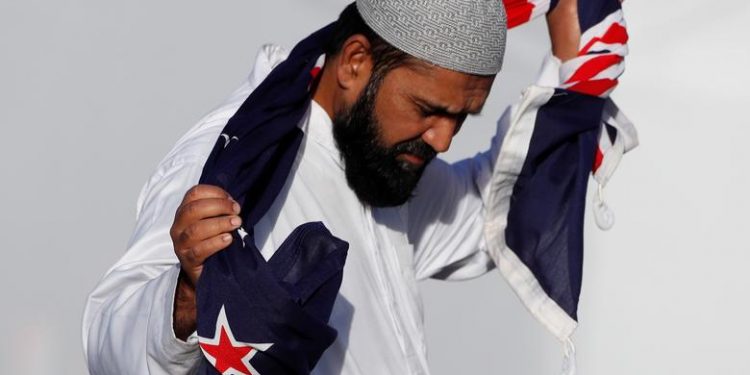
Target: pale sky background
point(93, 94)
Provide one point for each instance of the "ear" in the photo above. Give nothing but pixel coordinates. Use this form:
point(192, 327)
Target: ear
point(355, 66)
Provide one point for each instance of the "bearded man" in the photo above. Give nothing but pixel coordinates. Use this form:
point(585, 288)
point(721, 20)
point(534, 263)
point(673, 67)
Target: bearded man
point(398, 80)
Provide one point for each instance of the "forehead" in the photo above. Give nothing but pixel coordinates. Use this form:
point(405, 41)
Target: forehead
point(453, 91)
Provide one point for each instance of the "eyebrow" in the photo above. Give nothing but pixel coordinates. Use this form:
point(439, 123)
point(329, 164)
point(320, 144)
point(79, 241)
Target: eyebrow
point(441, 109)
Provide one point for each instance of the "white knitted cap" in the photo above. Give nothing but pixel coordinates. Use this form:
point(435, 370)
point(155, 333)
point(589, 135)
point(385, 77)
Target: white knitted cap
point(462, 35)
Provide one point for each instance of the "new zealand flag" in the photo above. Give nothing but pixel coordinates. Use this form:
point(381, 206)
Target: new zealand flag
point(258, 317)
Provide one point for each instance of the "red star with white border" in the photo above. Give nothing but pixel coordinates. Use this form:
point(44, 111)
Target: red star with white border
point(226, 354)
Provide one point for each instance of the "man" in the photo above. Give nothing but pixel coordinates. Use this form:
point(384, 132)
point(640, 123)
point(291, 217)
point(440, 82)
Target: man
point(381, 111)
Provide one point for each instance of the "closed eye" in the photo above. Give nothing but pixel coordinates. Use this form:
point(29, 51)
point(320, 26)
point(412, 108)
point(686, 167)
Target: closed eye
point(429, 111)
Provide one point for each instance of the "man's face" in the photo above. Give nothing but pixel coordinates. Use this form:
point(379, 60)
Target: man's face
point(396, 128)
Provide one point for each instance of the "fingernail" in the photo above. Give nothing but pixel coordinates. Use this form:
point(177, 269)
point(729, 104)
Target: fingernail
point(236, 207)
point(226, 237)
point(236, 221)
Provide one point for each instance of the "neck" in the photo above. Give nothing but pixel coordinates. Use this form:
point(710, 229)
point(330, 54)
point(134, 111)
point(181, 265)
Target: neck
point(325, 90)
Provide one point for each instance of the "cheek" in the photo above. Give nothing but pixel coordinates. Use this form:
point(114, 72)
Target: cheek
point(397, 119)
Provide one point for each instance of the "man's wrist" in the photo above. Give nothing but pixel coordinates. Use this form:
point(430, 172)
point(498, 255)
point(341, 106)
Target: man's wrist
point(184, 315)
point(564, 30)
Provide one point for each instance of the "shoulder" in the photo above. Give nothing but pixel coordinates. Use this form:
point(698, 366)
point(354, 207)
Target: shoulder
point(197, 143)
point(183, 163)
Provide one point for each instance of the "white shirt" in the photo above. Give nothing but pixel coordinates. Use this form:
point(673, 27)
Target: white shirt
point(127, 324)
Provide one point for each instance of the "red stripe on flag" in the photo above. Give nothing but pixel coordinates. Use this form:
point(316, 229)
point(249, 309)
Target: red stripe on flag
point(598, 159)
point(595, 87)
point(518, 11)
point(616, 34)
point(593, 67)
point(314, 72)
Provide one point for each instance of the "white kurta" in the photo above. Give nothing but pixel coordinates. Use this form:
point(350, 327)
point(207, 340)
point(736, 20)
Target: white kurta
point(127, 324)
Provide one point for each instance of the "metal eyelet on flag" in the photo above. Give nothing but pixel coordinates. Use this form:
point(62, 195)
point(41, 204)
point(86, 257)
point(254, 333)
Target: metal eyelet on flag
point(603, 215)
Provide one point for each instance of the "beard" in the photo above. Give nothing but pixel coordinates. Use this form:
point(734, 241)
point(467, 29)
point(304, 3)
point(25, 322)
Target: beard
point(372, 170)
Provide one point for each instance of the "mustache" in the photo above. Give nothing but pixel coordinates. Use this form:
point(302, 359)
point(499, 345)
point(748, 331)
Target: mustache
point(416, 147)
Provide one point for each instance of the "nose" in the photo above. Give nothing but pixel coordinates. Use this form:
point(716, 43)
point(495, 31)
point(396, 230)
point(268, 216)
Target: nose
point(440, 134)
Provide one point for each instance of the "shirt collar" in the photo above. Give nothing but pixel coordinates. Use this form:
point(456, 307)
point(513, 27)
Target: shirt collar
point(320, 129)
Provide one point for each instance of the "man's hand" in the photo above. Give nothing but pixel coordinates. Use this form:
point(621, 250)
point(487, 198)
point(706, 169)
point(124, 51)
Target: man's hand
point(202, 226)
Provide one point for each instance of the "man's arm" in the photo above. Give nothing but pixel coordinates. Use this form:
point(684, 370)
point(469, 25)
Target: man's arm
point(564, 29)
point(446, 217)
point(139, 318)
point(127, 325)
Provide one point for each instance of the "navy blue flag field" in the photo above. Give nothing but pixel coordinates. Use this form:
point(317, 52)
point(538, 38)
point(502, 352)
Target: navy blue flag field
point(545, 220)
point(268, 317)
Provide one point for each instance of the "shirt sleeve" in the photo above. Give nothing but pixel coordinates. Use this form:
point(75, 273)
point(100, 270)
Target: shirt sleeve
point(446, 216)
point(127, 322)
